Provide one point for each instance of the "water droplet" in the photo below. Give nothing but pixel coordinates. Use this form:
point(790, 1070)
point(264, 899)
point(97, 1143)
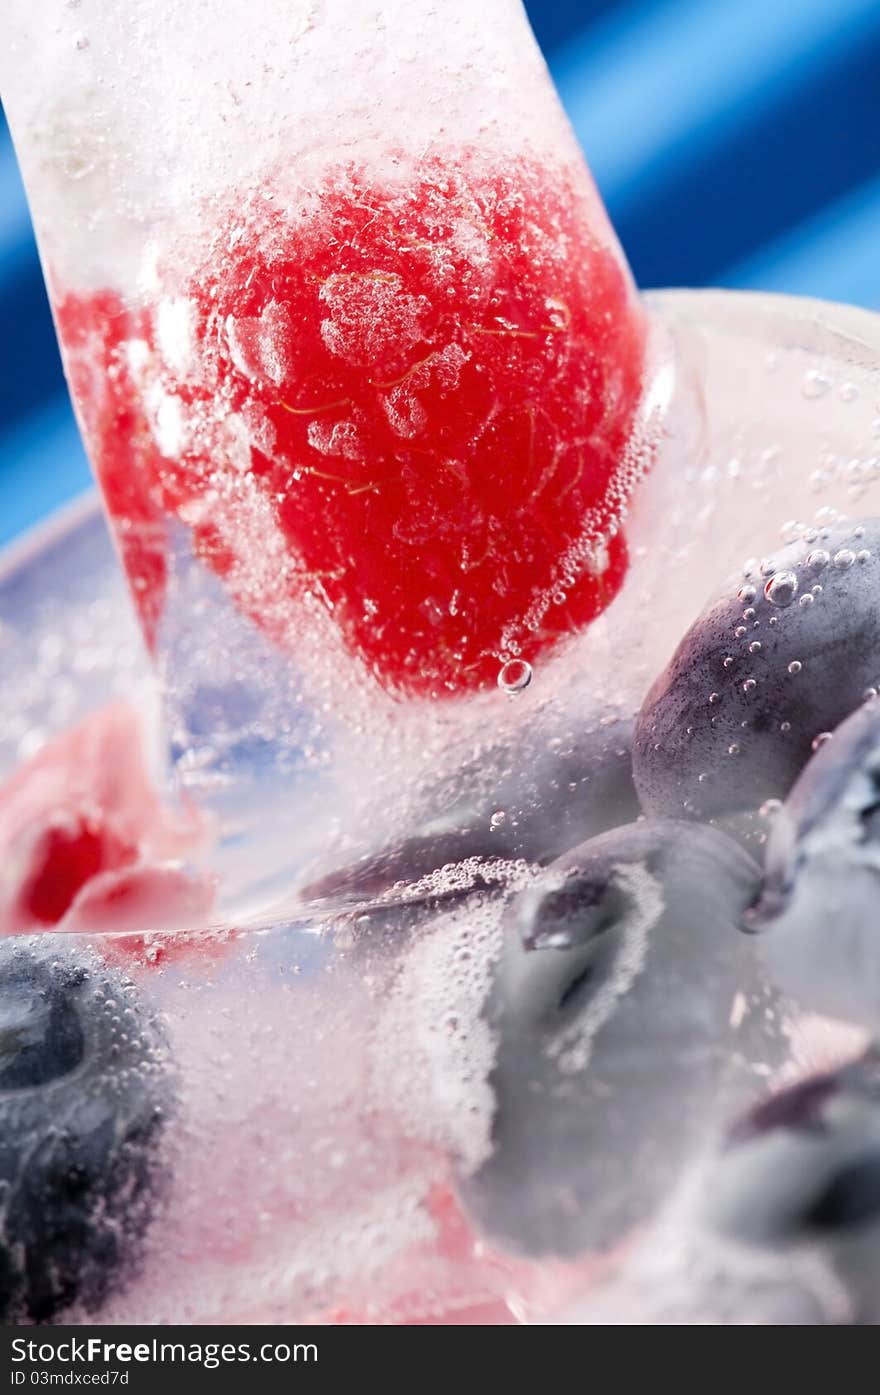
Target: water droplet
point(81, 41)
point(755, 646)
point(859, 531)
point(818, 559)
point(714, 697)
point(770, 808)
point(816, 590)
point(728, 662)
point(497, 818)
point(740, 631)
point(749, 685)
point(821, 739)
point(844, 558)
point(748, 613)
point(869, 694)
point(806, 600)
point(746, 594)
point(863, 556)
point(781, 589)
point(785, 728)
point(795, 666)
point(733, 749)
point(514, 676)
point(767, 568)
point(849, 392)
point(750, 566)
point(815, 384)
point(702, 778)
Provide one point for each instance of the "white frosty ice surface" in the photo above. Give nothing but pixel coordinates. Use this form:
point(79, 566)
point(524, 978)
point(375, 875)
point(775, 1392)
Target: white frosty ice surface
point(128, 118)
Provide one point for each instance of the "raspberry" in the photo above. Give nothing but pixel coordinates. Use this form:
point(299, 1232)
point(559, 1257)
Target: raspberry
point(410, 399)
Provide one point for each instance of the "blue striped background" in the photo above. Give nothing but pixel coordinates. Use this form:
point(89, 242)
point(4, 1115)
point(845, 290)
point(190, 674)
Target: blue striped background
point(736, 143)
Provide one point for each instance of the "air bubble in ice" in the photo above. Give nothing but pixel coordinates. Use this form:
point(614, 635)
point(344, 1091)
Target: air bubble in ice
point(795, 666)
point(844, 558)
point(815, 384)
point(817, 559)
point(781, 589)
point(515, 675)
point(746, 594)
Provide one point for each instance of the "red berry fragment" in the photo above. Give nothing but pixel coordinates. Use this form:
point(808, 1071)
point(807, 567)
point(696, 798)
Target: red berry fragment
point(86, 845)
point(103, 345)
point(64, 857)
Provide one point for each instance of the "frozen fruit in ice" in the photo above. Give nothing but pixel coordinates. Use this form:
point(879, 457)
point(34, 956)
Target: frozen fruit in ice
point(409, 400)
point(160, 897)
point(70, 851)
point(614, 1008)
point(531, 797)
point(105, 344)
point(781, 656)
point(817, 917)
point(86, 843)
point(829, 1126)
point(85, 1087)
point(803, 1168)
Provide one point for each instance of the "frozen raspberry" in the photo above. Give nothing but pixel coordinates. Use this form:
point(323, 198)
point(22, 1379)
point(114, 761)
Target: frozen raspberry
point(411, 399)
